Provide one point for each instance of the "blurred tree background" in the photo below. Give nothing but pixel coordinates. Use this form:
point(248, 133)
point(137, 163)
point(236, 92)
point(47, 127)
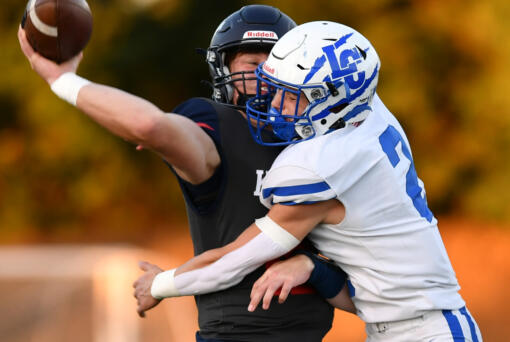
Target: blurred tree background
point(444, 74)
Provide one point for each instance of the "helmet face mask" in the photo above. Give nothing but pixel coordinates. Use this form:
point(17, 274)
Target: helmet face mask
point(268, 113)
point(225, 85)
point(331, 65)
point(254, 28)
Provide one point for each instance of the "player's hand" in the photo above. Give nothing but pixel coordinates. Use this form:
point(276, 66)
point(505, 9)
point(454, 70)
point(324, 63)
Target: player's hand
point(142, 287)
point(286, 275)
point(46, 68)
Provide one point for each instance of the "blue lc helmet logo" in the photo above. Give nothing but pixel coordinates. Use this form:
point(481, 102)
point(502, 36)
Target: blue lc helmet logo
point(343, 63)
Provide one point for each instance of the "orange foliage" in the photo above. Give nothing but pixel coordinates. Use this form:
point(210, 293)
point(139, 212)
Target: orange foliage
point(444, 74)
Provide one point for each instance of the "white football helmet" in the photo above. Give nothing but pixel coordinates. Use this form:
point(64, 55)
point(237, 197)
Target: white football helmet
point(332, 65)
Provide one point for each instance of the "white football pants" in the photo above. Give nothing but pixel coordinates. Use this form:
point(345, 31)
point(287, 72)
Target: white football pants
point(434, 326)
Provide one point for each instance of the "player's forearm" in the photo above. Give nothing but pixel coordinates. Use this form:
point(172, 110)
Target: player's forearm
point(326, 277)
point(227, 271)
point(201, 260)
point(251, 250)
point(125, 115)
point(208, 257)
point(248, 252)
point(343, 301)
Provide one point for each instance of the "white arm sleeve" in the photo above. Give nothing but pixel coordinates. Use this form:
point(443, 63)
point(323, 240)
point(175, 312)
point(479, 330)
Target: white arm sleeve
point(229, 270)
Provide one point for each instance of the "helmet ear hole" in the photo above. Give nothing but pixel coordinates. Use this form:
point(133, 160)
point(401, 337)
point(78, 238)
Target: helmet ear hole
point(339, 108)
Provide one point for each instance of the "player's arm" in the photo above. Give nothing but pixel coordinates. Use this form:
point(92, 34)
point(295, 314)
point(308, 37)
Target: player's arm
point(131, 118)
point(294, 222)
point(268, 238)
point(305, 267)
point(179, 140)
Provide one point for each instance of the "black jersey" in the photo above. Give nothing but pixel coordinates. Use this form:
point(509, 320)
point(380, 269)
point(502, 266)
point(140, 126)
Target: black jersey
point(219, 210)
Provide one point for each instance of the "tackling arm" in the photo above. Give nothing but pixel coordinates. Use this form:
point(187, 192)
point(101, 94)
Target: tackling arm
point(268, 238)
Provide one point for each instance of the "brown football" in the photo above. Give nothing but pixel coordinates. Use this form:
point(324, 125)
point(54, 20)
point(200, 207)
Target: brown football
point(57, 29)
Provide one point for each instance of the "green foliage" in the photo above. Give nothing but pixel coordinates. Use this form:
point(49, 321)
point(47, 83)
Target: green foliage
point(444, 74)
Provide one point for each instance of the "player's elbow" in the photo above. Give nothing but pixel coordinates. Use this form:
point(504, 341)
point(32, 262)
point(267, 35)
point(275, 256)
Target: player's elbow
point(147, 130)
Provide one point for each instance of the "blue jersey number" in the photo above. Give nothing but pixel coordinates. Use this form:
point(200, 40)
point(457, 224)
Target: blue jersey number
point(389, 140)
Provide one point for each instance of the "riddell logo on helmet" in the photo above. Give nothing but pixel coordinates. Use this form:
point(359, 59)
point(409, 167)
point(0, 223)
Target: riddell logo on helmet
point(260, 34)
point(268, 68)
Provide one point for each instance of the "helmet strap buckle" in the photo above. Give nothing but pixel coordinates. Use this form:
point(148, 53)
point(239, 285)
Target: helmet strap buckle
point(332, 89)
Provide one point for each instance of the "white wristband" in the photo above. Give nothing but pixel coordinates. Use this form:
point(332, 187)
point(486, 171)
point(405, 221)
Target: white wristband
point(163, 285)
point(68, 85)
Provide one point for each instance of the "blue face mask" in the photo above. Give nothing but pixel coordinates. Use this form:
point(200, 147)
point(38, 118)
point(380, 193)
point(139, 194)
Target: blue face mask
point(284, 130)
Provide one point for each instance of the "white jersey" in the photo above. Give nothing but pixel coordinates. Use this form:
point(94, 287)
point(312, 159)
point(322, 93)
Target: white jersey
point(388, 243)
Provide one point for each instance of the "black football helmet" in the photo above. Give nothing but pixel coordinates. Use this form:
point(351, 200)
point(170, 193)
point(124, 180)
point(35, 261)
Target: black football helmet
point(252, 27)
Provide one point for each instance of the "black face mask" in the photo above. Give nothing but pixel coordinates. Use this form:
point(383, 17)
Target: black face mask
point(243, 98)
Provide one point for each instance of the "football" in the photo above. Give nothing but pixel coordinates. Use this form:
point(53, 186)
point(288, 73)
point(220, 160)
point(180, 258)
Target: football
point(57, 29)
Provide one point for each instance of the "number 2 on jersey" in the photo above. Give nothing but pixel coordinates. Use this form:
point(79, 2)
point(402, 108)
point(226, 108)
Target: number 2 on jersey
point(389, 140)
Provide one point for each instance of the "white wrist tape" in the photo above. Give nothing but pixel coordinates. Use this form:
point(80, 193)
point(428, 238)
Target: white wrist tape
point(277, 233)
point(163, 285)
point(68, 85)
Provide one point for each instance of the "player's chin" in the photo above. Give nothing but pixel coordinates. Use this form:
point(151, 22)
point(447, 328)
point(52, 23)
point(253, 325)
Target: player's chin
point(250, 86)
